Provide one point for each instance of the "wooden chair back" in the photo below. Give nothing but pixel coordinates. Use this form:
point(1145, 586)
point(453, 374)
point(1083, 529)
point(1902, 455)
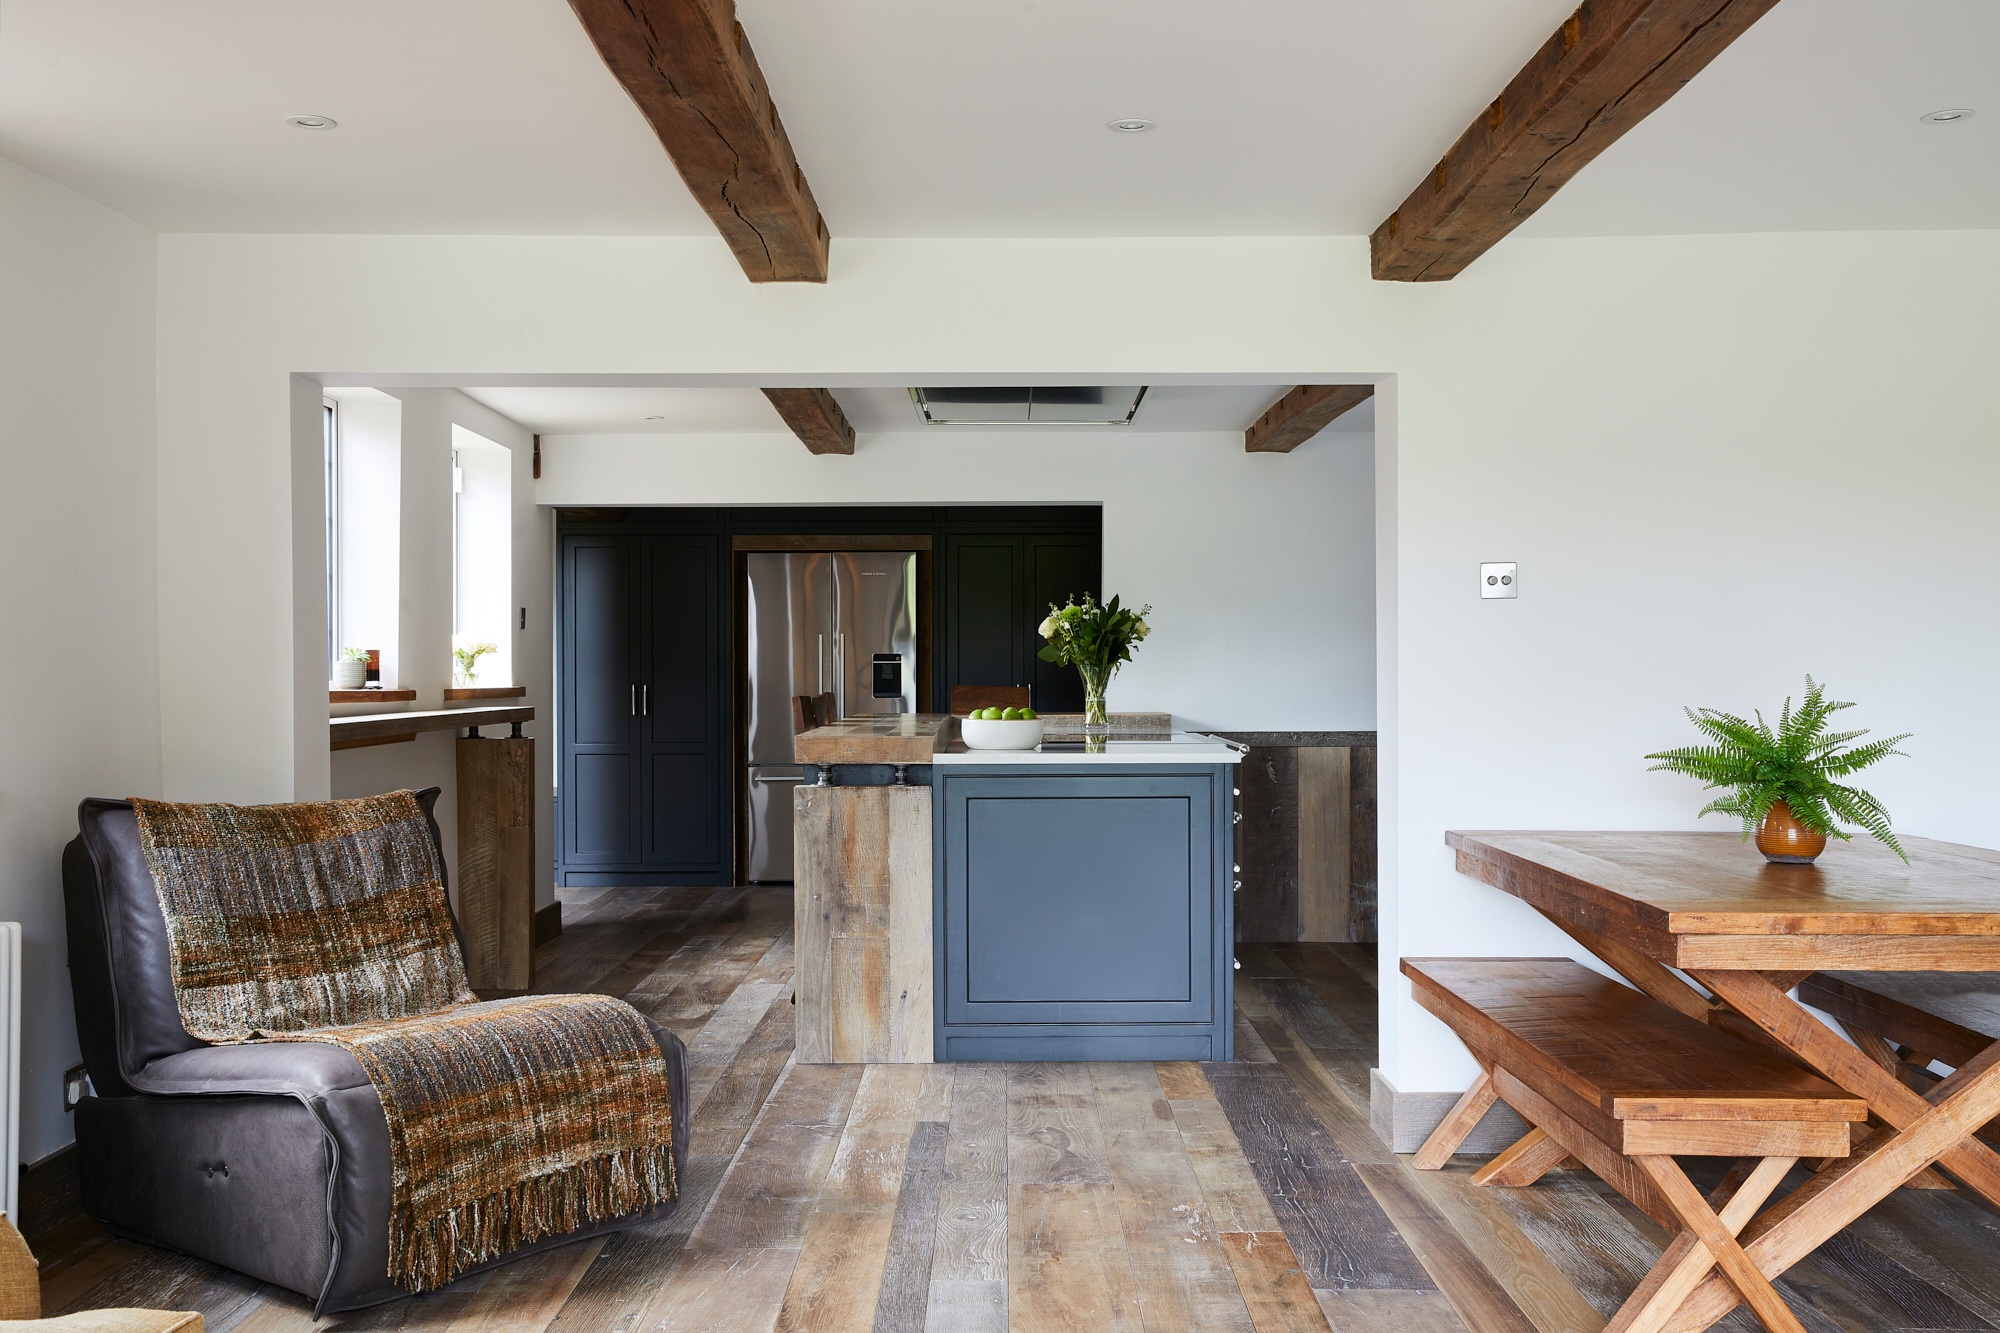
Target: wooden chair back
point(965, 698)
point(805, 713)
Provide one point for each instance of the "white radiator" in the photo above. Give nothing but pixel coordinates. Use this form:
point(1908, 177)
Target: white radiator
point(10, 1068)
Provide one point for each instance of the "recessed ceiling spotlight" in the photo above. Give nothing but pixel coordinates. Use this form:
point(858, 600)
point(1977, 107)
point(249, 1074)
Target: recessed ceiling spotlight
point(1947, 116)
point(659, 418)
point(1132, 126)
point(312, 122)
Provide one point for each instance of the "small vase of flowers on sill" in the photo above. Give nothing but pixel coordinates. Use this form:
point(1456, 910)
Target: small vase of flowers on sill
point(1781, 780)
point(351, 671)
point(1096, 640)
point(468, 652)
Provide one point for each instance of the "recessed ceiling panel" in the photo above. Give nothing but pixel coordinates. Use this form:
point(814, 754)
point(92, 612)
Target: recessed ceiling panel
point(1057, 405)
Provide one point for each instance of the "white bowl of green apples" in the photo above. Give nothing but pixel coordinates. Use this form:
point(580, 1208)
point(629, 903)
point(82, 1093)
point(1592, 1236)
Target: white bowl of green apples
point(1001, 729)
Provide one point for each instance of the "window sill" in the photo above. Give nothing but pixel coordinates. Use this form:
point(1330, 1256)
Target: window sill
point(370, 696)
point(486, 692)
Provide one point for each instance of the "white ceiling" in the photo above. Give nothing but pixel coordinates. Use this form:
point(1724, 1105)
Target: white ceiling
point(872, 410)
point(921, 118)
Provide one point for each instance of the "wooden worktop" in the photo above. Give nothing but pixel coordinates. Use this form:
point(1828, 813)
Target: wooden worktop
point(901, 738)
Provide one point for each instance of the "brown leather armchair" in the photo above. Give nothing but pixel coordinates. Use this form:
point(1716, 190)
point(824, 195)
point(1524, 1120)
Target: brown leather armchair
point(272, 1159)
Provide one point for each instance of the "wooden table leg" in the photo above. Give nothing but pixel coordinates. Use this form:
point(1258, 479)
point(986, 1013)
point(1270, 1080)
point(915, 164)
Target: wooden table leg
point(1804, 1219)
point(1653, 978)
point(1706, 1237)
point(1757, 998)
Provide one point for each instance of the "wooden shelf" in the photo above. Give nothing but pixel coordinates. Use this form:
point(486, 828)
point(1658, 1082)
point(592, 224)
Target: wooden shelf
point(348, 733)
point(486, 692)
point(371, 696)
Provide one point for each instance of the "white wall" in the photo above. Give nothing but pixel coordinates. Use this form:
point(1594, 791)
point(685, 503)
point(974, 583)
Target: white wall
point(77, 598)
point(1259, 567)
point(1722, 461)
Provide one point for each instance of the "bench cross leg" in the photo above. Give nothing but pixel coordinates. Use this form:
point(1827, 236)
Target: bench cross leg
point(1457, 1124)
point(1526, 1161)
point(1707, 1240)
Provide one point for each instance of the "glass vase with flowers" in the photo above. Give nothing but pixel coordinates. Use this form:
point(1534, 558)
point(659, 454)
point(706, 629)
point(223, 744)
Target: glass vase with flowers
point(1096, 640)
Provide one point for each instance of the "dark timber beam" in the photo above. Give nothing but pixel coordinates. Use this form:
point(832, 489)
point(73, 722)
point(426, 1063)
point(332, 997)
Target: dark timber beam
point(1301, 414)
point(815, 418)
point(689, 67)
point(1610, 66)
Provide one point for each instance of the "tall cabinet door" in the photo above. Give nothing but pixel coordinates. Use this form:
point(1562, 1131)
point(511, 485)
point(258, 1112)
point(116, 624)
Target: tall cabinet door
point(684, 775)
point(984, 597)
point(1058, 568)
point(600, 722)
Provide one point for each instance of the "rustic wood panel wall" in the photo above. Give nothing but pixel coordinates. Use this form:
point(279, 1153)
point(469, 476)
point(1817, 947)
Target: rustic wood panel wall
point(496, 861)
point(1307, 843)
point(862, 910)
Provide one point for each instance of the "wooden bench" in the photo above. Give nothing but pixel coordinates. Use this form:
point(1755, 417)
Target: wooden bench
point(1624, 1084)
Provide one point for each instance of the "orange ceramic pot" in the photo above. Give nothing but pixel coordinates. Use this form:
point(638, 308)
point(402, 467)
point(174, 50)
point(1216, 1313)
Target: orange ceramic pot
point(1785, 840)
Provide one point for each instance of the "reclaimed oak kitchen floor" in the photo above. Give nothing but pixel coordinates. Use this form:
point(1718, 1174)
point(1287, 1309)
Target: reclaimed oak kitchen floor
point(974, 1198)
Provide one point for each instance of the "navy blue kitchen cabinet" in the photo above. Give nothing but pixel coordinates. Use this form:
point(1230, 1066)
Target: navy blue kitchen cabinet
point(1083, 913)
point(642, 734)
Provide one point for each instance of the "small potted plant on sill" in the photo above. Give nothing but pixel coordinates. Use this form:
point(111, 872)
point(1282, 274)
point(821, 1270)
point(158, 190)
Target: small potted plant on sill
point(351, 671)
point(1781, 780)
point(1096, 640)
point(468, 652)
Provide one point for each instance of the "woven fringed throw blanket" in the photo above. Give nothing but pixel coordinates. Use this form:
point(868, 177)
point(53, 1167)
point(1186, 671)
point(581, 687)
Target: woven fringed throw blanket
point(326, 922)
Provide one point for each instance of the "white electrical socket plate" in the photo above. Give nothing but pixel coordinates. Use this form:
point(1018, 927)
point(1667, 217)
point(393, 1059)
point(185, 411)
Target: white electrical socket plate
point(1499, 579)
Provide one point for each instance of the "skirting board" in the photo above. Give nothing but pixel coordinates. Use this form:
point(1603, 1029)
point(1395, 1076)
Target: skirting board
point(1403, 1120)
point(548, 923)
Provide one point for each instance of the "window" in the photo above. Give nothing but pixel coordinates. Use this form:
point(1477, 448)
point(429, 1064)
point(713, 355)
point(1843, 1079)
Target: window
point(482, 543)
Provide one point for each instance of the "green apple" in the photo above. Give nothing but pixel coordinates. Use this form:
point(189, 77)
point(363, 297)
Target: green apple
point(1029, 715)
point(1010, 715)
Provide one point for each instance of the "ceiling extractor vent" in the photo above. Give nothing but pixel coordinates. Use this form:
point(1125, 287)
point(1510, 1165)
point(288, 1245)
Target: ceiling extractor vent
point(1041, 405)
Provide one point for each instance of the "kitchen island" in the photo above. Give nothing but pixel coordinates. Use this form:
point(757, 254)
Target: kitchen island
point(1071, 902)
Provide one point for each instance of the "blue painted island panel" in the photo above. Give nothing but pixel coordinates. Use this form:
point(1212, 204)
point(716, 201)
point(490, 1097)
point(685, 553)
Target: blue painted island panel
point(1083, 913)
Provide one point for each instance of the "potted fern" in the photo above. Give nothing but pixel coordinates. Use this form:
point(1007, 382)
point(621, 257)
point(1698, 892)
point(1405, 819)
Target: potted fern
point(1781, 780)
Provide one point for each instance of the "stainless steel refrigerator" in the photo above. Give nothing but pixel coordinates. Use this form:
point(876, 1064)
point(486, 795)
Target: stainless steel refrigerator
point(839, 622)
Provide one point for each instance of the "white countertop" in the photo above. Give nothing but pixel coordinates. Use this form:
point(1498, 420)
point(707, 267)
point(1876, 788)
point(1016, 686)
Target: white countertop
point(1185, 747)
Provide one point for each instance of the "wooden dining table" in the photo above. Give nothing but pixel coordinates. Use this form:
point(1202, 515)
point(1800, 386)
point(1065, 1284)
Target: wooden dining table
point(1749, 931)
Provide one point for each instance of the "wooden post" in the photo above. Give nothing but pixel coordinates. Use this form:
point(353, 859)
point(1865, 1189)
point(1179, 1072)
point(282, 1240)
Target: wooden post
point(862, 909)
point(496, 861)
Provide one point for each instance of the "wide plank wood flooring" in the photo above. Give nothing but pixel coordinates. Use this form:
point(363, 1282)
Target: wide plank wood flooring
point(1059, 1198)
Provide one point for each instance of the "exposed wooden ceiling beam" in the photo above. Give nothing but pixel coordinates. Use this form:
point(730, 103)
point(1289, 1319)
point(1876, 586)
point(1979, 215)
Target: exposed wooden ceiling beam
point(1610, 66)
point(1301, 414)
point(815, 418)
point(689, 67)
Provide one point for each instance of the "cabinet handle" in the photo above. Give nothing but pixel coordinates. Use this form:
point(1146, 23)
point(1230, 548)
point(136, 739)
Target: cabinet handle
point(645, 701)
point(635, 700)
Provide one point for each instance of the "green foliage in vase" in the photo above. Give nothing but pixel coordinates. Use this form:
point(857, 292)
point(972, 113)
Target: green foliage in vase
point(1082, 633)
point(1796, 762)
point(354, 654)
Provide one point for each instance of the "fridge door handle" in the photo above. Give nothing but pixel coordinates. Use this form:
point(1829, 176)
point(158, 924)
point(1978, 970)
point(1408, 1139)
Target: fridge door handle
point(819, 666)
point(840, 676)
